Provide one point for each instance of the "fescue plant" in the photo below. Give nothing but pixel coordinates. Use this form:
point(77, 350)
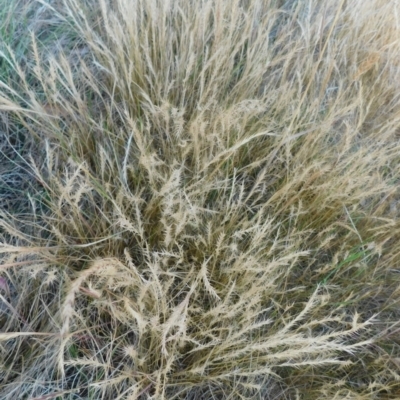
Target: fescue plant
point(210, 202)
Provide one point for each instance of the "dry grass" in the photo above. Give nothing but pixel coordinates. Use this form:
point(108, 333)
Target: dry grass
point(213, 208)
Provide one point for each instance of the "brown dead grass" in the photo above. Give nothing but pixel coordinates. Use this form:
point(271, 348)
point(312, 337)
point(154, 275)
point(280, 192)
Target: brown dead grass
point(215, 211)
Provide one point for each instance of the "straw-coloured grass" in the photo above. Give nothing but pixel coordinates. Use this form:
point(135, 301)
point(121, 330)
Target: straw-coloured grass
point(211, 202)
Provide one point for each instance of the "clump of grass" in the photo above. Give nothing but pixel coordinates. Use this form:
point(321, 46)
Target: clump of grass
point(215, 208)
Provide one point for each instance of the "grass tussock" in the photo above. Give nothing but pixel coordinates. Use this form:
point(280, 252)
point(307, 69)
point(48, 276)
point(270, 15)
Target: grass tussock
point(200, 200)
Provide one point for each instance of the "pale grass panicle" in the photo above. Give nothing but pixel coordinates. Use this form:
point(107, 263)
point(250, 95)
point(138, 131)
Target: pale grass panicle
point(212, 209)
